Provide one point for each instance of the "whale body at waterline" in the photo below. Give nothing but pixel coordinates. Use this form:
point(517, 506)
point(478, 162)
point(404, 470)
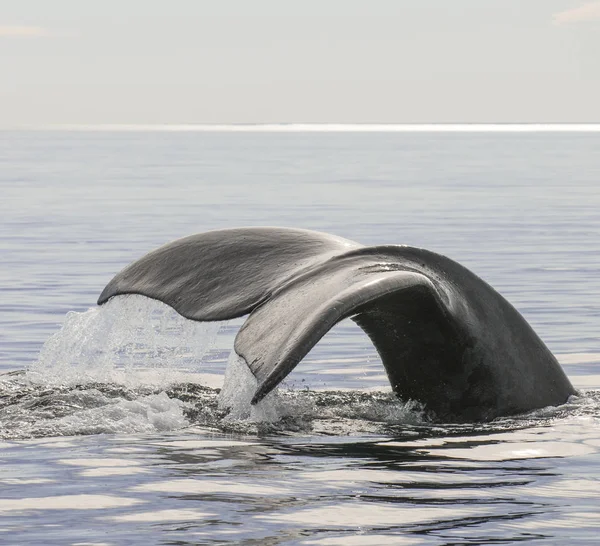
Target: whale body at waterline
point(446, 338)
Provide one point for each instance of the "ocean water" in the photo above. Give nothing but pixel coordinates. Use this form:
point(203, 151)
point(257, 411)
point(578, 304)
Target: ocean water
point(111, 430)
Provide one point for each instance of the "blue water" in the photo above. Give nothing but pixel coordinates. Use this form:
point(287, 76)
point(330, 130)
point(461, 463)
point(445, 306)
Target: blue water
point(113, 434)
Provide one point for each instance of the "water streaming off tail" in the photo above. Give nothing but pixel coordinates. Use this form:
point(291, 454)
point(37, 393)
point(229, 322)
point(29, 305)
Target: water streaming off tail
point(135, 365)
point(117, 341)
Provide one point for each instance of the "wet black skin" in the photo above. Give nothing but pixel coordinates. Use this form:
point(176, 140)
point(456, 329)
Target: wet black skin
point(446, 338)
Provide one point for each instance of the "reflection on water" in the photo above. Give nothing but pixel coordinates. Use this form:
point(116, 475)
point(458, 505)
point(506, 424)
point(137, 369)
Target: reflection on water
point(298, 489)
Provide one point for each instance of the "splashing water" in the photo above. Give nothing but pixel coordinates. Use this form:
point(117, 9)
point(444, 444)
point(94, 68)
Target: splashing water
point(238, 389)
point(239, 386)
point(134, 365)
point(128, 334)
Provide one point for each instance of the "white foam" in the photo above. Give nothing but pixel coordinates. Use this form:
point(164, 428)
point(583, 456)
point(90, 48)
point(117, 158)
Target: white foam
point(152, 413)
point(91, 412)
point(129, 334)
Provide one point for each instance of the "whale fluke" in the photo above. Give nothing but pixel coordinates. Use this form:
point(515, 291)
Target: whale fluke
point(223, 274)
point(445, 337)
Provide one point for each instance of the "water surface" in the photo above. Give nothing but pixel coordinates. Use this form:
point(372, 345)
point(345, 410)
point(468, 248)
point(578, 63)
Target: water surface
point(114, 434)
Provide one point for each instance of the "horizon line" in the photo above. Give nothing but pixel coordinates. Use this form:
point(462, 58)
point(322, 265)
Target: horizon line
point(319, 127)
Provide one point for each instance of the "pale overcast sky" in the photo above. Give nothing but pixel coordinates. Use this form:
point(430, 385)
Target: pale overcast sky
point(265, 61)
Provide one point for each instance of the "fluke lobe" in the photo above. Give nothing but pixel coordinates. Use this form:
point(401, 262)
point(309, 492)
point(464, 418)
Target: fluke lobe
point(446, 338)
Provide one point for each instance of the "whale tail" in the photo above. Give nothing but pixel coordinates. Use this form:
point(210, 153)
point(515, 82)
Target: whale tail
point(297, 284)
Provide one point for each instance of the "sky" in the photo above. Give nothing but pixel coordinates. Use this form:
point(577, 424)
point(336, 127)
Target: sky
point(298, 61)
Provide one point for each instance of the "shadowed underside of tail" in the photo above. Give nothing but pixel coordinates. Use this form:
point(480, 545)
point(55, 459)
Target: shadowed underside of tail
point(445, 337)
